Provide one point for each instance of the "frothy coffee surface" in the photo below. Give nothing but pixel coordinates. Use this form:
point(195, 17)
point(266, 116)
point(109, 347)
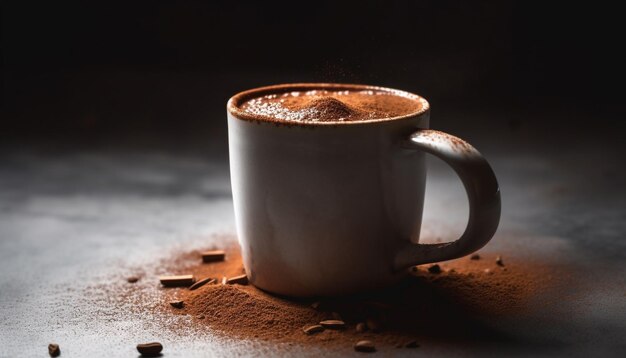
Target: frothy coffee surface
point(331, 106)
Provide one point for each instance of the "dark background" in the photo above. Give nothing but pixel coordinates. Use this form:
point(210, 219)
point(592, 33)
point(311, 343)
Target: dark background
point(113, 150)
point(166, 68)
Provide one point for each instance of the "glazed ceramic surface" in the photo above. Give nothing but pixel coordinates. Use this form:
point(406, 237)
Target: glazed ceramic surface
point(327, 209)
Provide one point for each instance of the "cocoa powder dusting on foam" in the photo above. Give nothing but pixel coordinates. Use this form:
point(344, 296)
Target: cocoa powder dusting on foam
point(449, 306)
point(331, 106)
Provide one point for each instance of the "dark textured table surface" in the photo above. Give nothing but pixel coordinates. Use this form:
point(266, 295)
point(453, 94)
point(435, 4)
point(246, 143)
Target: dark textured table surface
point(78, 214)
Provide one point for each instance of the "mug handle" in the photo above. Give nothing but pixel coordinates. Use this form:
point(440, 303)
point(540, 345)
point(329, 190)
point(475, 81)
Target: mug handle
point(482, 190)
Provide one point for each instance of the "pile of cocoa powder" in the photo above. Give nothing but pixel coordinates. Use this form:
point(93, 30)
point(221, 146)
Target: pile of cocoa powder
point(454, 300)
point(329, 109)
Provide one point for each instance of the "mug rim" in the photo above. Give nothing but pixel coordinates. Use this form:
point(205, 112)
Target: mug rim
point(234, 102)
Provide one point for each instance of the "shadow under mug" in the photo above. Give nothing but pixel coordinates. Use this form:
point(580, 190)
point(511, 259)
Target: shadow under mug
point(333, 208)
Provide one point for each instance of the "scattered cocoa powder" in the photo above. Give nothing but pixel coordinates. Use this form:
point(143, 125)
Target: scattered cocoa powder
point(421, 305)
point(455, 305)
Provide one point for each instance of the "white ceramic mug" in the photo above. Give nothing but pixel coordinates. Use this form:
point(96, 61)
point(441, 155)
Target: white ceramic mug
point(326, 209)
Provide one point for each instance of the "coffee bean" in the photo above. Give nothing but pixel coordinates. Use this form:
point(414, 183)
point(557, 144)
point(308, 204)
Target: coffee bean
point(373, 324)
point(434, 269)
point(132, 279)
point(177, 281)
point(213, 256)
point(499, 261)
point(475, 257)
point(239, 280)
point(54, 350)
point(361, 327)
point(152, 349)
point(364, 346)
point(177, 304)
point(333, 324)
point(412, 344)
point(202, 282)
point(316, 328)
